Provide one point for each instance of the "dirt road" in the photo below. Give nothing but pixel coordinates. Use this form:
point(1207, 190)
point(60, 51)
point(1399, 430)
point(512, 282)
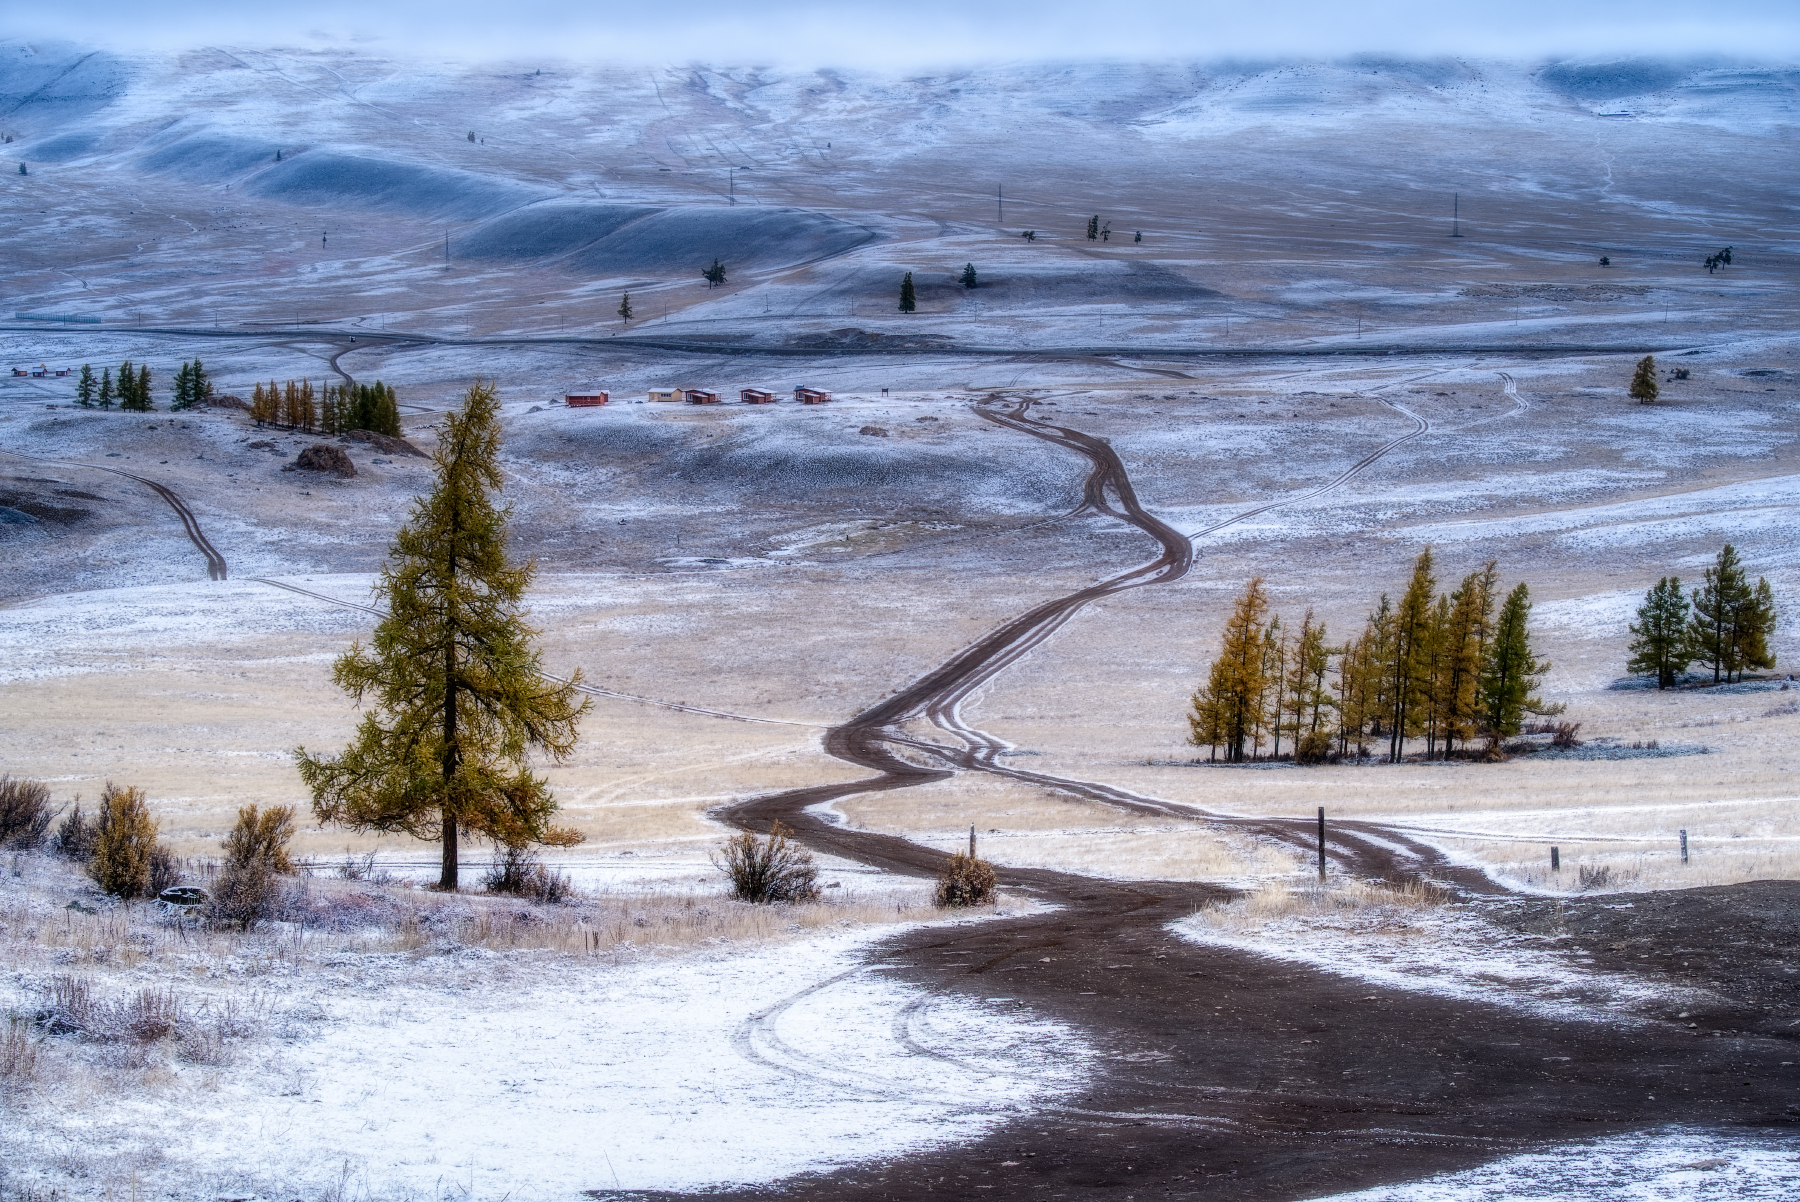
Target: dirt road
point(1229, 1075)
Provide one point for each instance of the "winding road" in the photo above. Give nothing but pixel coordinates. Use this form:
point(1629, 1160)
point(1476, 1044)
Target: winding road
point(1222, 1073)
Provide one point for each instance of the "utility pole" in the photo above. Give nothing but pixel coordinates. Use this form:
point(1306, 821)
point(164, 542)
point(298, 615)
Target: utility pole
point(446, 251)
point(1000, 202)
point(1456, 214)
point(972, 841)
point(731, 183)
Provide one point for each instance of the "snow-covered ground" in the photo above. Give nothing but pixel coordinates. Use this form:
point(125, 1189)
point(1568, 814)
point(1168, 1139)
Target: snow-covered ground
point(1672, 1164)
point(458, 1068)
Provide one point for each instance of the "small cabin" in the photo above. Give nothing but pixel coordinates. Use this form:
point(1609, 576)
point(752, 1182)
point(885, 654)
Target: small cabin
point(41, 372)
point(699, 396)
point(665, 394)
point(811, 396)
point(61, 371)
point(756, 396)
point(578, 400)
point(19, 371)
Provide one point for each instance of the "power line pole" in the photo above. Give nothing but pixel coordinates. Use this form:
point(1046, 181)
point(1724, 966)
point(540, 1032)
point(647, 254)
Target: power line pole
point(731, 183)
point(1000, 202)
point(1456, 214)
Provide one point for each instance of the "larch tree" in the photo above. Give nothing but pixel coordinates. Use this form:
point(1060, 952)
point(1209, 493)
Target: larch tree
point(1410, 655)
point(1273, 701)
point(458, 691)
point(1512, 671)
point(909, 299)
point(1462, 645)
point(1659, 637)
point(1227, 709)
point(1643, 380)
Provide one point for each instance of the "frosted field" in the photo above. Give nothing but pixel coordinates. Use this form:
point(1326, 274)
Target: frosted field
point(735, 580)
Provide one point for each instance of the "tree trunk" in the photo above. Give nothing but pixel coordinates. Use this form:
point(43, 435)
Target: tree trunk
point(447, 875)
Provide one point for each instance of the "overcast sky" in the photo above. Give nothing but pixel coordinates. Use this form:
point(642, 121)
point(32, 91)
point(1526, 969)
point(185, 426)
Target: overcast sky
point(937, 32)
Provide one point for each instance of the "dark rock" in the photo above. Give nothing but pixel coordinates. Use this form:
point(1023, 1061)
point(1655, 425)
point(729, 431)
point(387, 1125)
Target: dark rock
point(228, 402)
point(386, 444)
point(262, 444)
point(323, 458)
point(877, 431)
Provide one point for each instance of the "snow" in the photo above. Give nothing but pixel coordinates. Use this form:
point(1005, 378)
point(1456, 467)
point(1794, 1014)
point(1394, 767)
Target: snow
point(1447, 951)
point(541, 1078)
point(1672, 1164)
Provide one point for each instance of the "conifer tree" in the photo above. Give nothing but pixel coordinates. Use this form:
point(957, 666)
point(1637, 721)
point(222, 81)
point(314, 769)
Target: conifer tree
point(200, 383)
point(625, 308)
point(184, 393)
point(84, 387)
point(1643, 381)
point(455, 679)
point(1093, 229)
point(134, 389)
point(106, 388)
point(909, 300)
point(1308, 698)
point(1732, 621)
point(1659, 642)
point(1512, 670)
point(143, 388)
point(1273, 701)
point(1227, 709)
point(714, 275)
point(968, 278)
point(1410, 656)
point(1462, 646)
point(264, 405)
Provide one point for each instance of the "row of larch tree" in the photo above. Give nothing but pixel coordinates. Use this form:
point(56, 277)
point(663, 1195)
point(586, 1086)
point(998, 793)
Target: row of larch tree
point(1456, 669)
point(1724, 625)
point(332, 410)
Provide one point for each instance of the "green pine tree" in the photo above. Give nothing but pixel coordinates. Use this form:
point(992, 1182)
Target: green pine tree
point(968, 279)
point(184, 395)
point(1732, 621)
point(1512, 670)
point(1643, 381)
point(714, 274)
point(106, 388)
point(456, 682)
point(1093, 230)
point(134, 385)
point(200, 383)
point(85, 387)
point(909, 300)
point(625, 308)
point(1659, 643)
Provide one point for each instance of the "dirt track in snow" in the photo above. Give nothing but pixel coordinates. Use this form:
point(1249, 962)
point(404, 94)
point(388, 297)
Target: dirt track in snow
point(1230, 1074)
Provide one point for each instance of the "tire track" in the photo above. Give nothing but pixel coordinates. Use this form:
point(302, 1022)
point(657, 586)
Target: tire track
point(215, 562)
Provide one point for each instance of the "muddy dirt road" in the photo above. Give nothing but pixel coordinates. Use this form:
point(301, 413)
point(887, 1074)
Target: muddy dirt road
point(1229, 1075)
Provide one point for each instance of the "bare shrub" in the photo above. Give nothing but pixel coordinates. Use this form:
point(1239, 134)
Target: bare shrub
point(242, 895)
point(771, 869)
point(1594, 878)
point(520, 873)
point(18, 1053)
point(165, 869)
point(1562, 734)
point(74, 836)
point(966, 881)
point(1314, 748)
point(123, 840)
point(73, 1009)
point(152, 1015)
point(24, 812)
point(247, 888)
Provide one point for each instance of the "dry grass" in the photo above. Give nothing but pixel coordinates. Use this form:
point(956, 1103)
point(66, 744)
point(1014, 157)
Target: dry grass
point(1021, 826)
point(1277, 899)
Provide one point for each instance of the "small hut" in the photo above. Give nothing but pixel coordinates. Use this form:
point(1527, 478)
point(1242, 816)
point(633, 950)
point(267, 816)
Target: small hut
point(699, 396)
point(665, 394)
point(756, 396)
point(581, 400)
point(811, 396)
